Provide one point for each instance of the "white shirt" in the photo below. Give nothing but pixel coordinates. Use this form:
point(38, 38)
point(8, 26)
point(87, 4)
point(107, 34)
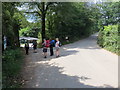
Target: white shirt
point(57, 44)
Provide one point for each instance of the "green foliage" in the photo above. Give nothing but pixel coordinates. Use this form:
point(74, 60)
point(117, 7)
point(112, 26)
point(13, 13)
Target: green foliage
point(108, 38)
point(29, 32)
point(11, 65)
point(24, 31)
point(64, 19)
point(21, 19)
point(73, 20)
point(109, 13)
point(40, 40)
point(10, 23)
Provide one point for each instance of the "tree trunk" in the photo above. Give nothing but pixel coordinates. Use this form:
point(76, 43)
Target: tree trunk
point(43, 21)
point(2, 43)
point(16, 36)
point(17, 42)
point(43, 27)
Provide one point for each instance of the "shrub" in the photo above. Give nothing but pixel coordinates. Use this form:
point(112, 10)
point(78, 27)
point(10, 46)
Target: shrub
point(11, 66)
point(108, 38)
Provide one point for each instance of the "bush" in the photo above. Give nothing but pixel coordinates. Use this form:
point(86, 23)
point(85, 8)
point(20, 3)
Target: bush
point(11, 66)
point(108, 38)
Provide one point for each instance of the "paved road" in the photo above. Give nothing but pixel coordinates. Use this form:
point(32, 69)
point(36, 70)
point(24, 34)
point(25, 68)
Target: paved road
point(82, 65)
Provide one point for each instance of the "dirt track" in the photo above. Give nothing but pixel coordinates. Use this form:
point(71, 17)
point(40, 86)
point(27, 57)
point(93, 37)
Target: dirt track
point(82, 65)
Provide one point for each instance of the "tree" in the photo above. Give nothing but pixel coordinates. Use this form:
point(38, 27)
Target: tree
point(110, 13)
point(72, 19)
point(10, 24)
point(40, 10)
point(64, 19)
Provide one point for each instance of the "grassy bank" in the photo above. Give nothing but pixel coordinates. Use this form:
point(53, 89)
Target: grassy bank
point(12, 61)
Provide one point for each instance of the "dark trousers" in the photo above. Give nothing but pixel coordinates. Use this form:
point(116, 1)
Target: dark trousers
point(27, 50)
point(51, 51)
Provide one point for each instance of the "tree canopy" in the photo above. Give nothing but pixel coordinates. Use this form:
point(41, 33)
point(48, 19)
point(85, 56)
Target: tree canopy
point(56, 19)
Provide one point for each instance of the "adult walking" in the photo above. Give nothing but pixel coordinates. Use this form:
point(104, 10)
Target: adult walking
point(27, 47)
point(35, 46)
point(52, 44)
point(57, 46)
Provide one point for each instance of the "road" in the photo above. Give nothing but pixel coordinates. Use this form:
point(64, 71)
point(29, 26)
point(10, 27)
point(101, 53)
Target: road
point(82, 64)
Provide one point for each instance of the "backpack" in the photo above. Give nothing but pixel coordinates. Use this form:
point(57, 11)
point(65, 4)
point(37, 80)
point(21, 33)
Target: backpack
point(35, 43)
point(52, 43)
point(60, 44)
point(47, 43)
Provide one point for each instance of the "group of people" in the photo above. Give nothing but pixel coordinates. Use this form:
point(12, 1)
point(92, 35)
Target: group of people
point(46, 44)
point(50, 44)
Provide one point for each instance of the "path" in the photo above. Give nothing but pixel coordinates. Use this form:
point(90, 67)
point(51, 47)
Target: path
point(82, 65)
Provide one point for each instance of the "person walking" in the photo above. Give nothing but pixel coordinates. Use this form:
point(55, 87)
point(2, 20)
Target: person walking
point(27, 47)
point(35, 46)
point(57, 46)
point(52, 44)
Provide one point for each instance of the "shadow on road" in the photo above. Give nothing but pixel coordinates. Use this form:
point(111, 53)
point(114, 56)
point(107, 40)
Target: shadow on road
point(41, 73)
point(88, 43)
point(52, 76)
point(71, 49)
